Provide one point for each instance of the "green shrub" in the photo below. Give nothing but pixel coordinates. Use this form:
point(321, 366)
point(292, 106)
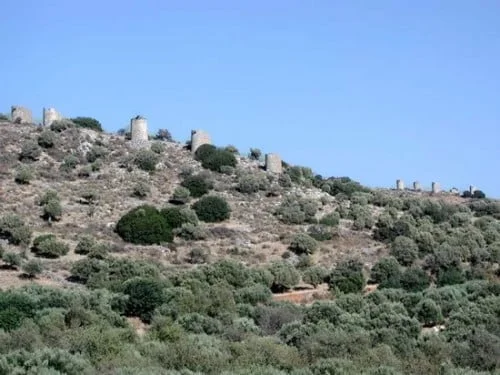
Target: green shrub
point(88, 123)
point(232, 149)
point(164, 135)
point(69, 162)
point(197, 185)
point(30, 151)
point(285, 276)
point(204, 152)
point(191, 232)
point(415, 279)
point(144, 225)
point(478, 194)
point(252, 183)
point(176, 216)
point(61, 125)
point(13, 228)
point(294, 210)
point(385, 269)
point(198, 255)
point(181, 195)
point(218, 159)
point(146, 160)
point(158, 147)
point(212, 209)
point(141, 189)
point(347, 277)
point(12, 260)
point(320, 232)
point(428, 312)
point(33, 268)
point(405, 250)
point(314, 275)
point(332, 219)
point(303, 244)
point(24, 174)
point(4, 117)
point(52, 210)
point(47, 246)
point(85, 245)
point(255, 154)
point(47, 139)
point(144, 296)
point(96, 153)
point(450, 276)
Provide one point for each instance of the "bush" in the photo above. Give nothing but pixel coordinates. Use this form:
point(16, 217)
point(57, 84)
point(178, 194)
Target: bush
point(191, 232)
point(285, 277)
point(47, 246)
point(69, 162)
point(175, 216)
point(157, 147)
point(255, 154)
point(181, 195)
point(385, 269)
point(30, 151)
point(232, 149)
point(61, 125)
point(52, 210)
point(415, 279)
point(320, 232)
point(252, 183)
point(218, 159)
point(13, 229)
point(347, 277)
point(47, 139)
point(13, 260)
point(204, 152)
point(294, 210)
point(405, 250)
point(88, 123)
point(478, 194)
point(314, 275)
point(24, 175)
point(141, 189)
point(85, 245)
point(144, 225)
point(144, 296)
point(198, 255)
point(212, 209)
point(95, 153)
point(33, 268)
point(146, 160)
point(303, 244)
point(332, 219)
point(428, 312)
point(197, 185)
point(164, 135)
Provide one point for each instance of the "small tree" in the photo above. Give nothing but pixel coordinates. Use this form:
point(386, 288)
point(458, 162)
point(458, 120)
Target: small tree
point(347, 277)
point(30, 151)
point(12, 260)
point(47, 139)
point(303, 244)
point(385, 269)
point(285, 276)
point(146, 160)
point(24, 175)
point(197, 185)
point(33, 268)
point(164, 135)
point(87, 122)
point(405, 250)
point(428, 312)
point(255, 154)
point(212, 209)
point(314, 275)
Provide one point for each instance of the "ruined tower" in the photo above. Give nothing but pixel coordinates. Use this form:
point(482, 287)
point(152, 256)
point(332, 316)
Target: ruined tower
point(273, 163)
point(400, 185)
point(417, 186)
point(436, 188)
point(50, 115)
point(21, 115)
point(139, 132)
point(199, 138)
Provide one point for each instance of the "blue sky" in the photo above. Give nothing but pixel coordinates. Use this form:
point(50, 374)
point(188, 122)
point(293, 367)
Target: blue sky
point(371, 90)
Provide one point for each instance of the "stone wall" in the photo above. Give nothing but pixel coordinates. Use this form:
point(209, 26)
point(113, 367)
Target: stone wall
point(50, 115)
point(199, 138)
point(21, 115)
point(139, 132)
point(273, 163)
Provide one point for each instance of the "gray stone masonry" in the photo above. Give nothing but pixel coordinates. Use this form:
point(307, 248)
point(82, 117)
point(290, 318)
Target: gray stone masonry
point(273, 163)
point(50, 115)
point(417, 186)
point(199, 138)
point(400, 185)
point(139, 132)
point(21, 115)
point(436, 188)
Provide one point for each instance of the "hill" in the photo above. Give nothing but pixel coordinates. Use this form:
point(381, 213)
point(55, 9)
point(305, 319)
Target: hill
point(164, 248)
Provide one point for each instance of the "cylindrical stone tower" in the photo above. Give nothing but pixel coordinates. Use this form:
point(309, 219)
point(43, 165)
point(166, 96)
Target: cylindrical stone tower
point(472, 189)
point(21, 115)
point(400, 185)
point(50, 115)
point(273, 163)
point(139, 132)
point(436, 188)
point(199, 138)
point(417, 186)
